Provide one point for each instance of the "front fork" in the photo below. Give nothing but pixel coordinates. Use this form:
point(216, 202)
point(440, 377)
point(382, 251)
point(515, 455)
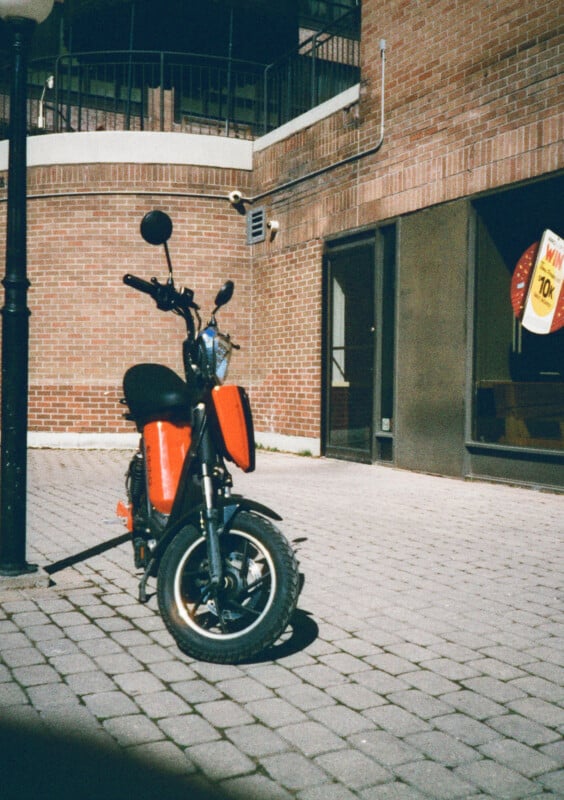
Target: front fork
point(211, 526)
point(210, 513)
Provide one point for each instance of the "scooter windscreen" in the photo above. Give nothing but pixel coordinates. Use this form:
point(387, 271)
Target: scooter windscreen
point(216, 350)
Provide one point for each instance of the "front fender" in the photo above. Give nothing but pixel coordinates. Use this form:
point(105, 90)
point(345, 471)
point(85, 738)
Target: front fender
point(231, 506)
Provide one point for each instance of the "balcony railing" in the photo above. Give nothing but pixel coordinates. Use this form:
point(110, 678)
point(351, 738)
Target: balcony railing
point(150, 90)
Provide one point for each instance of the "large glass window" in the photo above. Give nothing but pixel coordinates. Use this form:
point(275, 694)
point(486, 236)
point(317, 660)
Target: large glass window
point(518, 375)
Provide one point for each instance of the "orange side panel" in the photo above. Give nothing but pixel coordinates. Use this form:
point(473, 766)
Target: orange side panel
point(124, 510)
point(166, 445)
point(234, 424)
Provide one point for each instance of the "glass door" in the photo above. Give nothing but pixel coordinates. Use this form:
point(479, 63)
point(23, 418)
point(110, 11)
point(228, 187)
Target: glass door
point(350, 351)
point(359, 348)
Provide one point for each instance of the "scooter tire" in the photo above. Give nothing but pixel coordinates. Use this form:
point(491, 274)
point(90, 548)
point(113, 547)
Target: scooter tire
point(259, 594)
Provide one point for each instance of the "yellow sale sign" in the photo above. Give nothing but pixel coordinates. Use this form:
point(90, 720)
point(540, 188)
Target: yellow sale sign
point(541, 286)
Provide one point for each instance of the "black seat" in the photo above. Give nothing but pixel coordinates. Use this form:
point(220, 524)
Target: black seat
point(153, 391)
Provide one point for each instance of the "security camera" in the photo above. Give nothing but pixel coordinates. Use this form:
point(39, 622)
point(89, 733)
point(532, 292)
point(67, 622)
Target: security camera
point(235, 197)
point(273, 225)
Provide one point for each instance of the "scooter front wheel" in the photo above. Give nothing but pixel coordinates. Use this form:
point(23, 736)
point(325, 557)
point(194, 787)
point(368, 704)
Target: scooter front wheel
point(251, 608)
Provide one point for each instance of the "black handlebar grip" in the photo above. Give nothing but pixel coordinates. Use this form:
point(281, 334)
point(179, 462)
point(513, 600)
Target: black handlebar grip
point(139, 284)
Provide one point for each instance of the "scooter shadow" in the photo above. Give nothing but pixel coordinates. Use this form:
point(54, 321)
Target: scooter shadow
point(302, 631)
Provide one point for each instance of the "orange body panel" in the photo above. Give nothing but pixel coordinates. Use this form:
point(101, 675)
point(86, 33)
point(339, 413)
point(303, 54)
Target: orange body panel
point(235, 424)
point(166, 445)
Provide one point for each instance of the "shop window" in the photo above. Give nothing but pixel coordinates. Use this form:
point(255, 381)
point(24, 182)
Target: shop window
point(518, 375)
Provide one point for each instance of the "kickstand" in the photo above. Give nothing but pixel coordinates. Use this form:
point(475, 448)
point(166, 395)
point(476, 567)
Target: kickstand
point(143, 582)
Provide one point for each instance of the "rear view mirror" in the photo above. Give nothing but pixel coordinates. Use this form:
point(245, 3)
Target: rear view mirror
point(224, 295)
point(156, 227)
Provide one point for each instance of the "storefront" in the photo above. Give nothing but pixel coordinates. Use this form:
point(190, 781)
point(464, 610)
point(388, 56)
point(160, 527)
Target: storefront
point(425, 364)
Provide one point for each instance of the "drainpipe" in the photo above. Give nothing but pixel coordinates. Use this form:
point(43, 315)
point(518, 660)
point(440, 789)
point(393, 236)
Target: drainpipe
point(350, 159)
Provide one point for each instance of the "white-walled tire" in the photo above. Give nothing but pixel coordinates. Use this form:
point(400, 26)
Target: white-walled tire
point(252, 609)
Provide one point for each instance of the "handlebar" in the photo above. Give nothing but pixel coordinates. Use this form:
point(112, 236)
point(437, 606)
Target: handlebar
point(140, 284)
point(165, 296)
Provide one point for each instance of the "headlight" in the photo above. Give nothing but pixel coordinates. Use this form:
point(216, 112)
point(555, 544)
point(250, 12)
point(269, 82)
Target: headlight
point(217, 348)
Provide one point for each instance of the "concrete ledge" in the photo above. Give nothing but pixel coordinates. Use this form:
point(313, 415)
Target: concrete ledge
point(288, 444)
point(135, 147)
point(129, 441)
point(83, 441)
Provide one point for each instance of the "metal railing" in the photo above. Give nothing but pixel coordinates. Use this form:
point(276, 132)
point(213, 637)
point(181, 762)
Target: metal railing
point(153, 90)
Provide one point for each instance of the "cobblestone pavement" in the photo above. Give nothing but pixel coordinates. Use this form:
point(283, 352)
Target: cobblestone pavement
point(426, 659)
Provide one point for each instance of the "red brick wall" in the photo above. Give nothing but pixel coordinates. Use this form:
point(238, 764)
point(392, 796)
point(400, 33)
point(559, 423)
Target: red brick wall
point(473, 101)
point(86, 326)
point(472, 104)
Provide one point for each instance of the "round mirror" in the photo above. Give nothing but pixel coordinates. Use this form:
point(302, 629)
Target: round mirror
point(156, 227)
point(225, 294)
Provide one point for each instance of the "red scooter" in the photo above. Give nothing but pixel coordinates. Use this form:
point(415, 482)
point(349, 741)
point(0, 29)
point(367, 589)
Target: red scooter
point(227, 579)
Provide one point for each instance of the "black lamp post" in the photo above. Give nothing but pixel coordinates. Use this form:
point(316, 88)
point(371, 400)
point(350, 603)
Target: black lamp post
point(21, 17)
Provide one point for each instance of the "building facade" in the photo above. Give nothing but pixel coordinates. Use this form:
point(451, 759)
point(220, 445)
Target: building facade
point(376, 323)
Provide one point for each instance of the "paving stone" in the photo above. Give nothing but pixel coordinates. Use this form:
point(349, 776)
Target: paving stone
point(11, 694)
point(344, 663)
point(133, 729)
point(392, 664)
point(272, 676)
point(554, 781)
point(275, 712)
point(311, 738)
point(254, 786)
point(396, 720)
point(473, 704)
point(420, 703)
point(539, 710)
point(466, 729)
point(385, 748)
point(392, 791)
point(293, 771)
point(51, 694)
point(429, 682)
point(36, 674)
point(188, 729)
point(519, 757)
point(224, 713)
point(496, 779)
point(116, 663)
point(110, 704)
point(340, 719)
point(523, 730)
point(353, 769)
point(172, 671)
point(327, 791)
point(22, 657)
point(73, 663)
point(157, 705)
point(555, 751)
point(434, 780)
point(450, 669)
point(139, 683)
point(257, 740)
point(319, 675)
point(220, 760)
point(90, 683)
point(304, 696)
point(196, 691)
point(354, 696)
point(499, 691)
point(244, 690)
point(539, 687)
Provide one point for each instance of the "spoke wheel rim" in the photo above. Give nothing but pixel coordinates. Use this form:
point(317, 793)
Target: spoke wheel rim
point(249, 589)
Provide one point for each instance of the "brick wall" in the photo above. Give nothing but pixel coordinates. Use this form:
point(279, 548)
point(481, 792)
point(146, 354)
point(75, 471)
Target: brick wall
point(86, 326)
point(472, 103)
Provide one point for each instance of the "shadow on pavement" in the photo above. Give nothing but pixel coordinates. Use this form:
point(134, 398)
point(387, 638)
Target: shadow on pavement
point(36, 763)
point(302, 631)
